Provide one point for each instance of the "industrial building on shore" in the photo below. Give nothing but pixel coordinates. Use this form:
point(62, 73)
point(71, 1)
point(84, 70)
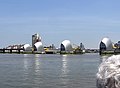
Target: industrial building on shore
point(66, 47)
point(108, 47)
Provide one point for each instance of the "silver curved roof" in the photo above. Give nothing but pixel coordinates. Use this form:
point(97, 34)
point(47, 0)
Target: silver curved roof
point(108, 43)
point(39, 46)
point(67, 45)
point(27, 47)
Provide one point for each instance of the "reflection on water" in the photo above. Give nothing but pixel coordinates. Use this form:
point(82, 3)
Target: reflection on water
point(37, 63)
point(48, 71)
point(65, 70)
point(26, 64)
point(64, 65)
point(32, 70)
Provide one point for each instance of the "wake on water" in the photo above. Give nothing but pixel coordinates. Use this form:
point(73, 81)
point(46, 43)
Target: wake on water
point(108, 75)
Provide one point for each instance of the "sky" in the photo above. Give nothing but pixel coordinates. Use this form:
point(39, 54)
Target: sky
point(80, 21)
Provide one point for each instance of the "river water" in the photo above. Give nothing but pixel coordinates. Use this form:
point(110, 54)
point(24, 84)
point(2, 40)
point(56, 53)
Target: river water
point(48, 71)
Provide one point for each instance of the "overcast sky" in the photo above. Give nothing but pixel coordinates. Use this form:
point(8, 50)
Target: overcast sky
point(86, 21)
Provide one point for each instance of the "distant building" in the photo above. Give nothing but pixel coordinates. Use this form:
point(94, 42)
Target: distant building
point(35, 38)
point(117, 45)
point(106, 44)
point(66, 46)
point(16, 46)
point(53, 46)
point(82, 46)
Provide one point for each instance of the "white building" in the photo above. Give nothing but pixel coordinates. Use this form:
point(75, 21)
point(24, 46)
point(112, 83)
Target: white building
point(106, 44)
point(66, 46)
point(27, 47)
point(39, 47)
